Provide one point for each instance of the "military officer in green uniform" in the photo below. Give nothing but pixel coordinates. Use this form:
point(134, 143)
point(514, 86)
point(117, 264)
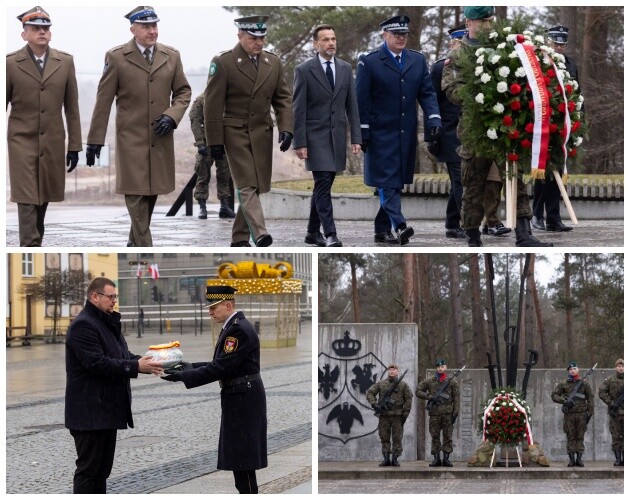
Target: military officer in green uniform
point(576, 414)
point(475, 169)
point(392, 420)
point(443, 411)
point(203, 162)
point(611, 393)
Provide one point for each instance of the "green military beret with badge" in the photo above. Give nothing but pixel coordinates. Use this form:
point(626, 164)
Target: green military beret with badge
point(476, 13)
point(572, 364)
point(440, 362)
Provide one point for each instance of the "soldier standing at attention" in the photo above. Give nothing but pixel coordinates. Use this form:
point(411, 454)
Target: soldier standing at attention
point(243, 85)
point(203, 162)
point(576, 413)
point(40, 82)
point(152, 94)
point(392, 419)
point(443, 411)
point(611, 393)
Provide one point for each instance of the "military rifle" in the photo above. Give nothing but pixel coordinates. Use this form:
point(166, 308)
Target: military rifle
point(614, 408)
point(440, 397)
point(570, 402)
point(386, 403)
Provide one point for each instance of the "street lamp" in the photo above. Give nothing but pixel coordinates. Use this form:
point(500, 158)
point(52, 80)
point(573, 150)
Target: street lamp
point(139, 266)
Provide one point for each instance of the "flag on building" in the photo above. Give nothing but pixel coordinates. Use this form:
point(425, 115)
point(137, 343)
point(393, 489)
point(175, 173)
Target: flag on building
point(155, 273)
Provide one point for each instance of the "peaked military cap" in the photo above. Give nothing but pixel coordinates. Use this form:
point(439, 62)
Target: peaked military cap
point(218, 293)
point(440, 362)
point(144, 15)
point(254, 25)
point(397, 24)
point(457, 33)
point(474, 13)
point(572, 364)
point(35, 17)
point(559, 34)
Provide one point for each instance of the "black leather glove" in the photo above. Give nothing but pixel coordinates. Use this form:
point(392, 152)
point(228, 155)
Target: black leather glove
point(163, 125)
point(217, 152)
point(72, 158)
point(92, 152)
point(567, 407)
point(364, 145)
point(173, 377)
point(433, 142)
point(202, 149)
point(285, 140)
point(182, 367)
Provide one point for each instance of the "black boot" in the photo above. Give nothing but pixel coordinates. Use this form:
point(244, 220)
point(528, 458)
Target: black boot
point(578, 460)
point(203, 213)
point(571, 460)
point(386, 462)
point(474, 237)
point(445, 461)
point(436, 461)
point(618, 461)
point(524, 236)
point(395, 460)
point(225, 212)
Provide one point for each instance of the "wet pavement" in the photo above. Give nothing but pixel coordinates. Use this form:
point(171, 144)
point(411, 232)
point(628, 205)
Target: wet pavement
point(173, 447)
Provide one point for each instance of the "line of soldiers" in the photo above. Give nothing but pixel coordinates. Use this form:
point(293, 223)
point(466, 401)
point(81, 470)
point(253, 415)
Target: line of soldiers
point(392, 398)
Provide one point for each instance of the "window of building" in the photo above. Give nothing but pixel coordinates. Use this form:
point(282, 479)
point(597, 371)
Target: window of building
point(28, 268)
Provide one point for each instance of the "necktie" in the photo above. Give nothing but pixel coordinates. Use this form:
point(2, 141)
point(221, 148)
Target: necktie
point(398, 60)
point(329, 75)
point(147, 56)
point(255, 61)
point(40, 65)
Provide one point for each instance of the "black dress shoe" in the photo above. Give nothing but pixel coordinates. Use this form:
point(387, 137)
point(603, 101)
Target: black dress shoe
point(315, 239)
point(458, 232)
point(498, 230)
point(404, 233)
point(264, 240)
point(387, 237)
point(333, 241)
point(240, 244)
point(539, 223)
point(558, 227)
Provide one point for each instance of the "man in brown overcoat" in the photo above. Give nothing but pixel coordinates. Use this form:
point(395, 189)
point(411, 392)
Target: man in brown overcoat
point(40, 82)
point(243, 84)
point(152, 94)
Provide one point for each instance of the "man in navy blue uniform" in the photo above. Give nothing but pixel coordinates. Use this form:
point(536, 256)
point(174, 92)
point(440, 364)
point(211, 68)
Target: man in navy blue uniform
point(236, 365)
point(389, 82)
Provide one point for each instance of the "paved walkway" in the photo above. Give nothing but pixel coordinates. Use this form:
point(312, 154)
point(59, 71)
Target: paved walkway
point(173, 447)
point(104, 226)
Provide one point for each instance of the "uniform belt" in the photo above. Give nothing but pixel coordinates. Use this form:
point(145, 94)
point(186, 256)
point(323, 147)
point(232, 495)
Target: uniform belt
point(239, 380)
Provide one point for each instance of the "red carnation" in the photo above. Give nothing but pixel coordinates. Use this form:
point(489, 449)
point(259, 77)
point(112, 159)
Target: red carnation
point(551, 73)
point(526, 143)
point(520, 38)
point(559, 89)
point(507, 121)
point(515, 89)
point(547, 80)
point(562, 107)
point(572, 152)
point(513, 134)
point(515, 105)
point(571, 106)
point(568, 88)
point(529, 128)
point(512, 157)
point(553, 128)
point(563, 132)
point(531, 104)
point(576, 126)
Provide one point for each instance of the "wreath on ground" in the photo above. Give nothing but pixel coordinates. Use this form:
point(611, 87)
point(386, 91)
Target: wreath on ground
point(505, 419)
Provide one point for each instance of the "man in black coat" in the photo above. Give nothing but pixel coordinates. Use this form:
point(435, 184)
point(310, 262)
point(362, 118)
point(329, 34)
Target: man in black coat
point(236, 365)
point(98, 393)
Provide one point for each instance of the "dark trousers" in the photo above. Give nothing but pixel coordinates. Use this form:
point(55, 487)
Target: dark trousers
point(454, 205)
point(321, 204)
point(245, 481)
point(140, 210)
point(95, 452)
point(31, 224)
point(390, 212)
point(547, 198)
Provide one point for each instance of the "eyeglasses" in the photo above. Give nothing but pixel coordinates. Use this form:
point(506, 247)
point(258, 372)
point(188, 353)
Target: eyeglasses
point(400, 35)
point(113, 297)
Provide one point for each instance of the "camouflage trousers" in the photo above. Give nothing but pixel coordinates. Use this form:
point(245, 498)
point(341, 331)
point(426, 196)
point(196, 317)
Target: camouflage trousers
point(575, 428)
point(474, 176)
point(391, 428)
point(202, 169)
point(442, 423)
point(615, 425)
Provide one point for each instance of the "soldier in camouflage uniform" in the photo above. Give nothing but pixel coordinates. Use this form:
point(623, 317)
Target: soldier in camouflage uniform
point(443, 413)
point(577, 415)
point(390, 422)
point(475, 169)
point(203, 162)
point(611, 393)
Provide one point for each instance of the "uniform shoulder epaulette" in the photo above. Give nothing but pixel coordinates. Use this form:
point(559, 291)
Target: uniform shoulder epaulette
point(269, 52)
point(225, 52)
point(64, 53)
point(416, 51)
point(375, 51)
point(118, 47)
point(12, 53)
point(170, 48)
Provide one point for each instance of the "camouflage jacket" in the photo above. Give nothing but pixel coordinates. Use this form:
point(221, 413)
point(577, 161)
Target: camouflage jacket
point(429, 387)
point(611, 389)
point(401, 397)
point(196, 121)
point(565, 388)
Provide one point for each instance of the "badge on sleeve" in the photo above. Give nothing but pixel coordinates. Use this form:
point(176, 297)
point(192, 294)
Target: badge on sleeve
point(230, 345)
point(105, 67)
point(213, 69)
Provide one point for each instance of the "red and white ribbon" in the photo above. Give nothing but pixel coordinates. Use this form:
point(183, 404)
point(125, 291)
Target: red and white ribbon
point(567, 114)
point(508, 399)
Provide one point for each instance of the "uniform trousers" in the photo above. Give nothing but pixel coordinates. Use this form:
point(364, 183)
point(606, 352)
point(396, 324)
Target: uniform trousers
point(615, 425)
point(575, 428)
point(547, 198)
point(441, 424)
point(95, 458)
point(202, 169)
point(491, 202)
point(140, 208)
point(390, 431)
point(389, 214)
point(31, 224)
point(245, 481)
point(454, 204)
point(321, 204)
point(250, 220)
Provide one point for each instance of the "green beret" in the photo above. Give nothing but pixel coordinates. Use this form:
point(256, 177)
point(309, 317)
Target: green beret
point(440, 362)
point(572, 364)
point(478, 12)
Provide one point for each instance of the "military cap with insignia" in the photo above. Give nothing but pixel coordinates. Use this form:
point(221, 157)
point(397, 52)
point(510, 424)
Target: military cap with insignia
point(143, 15)
point(35, 17)
point(475, 13)
point(440, 362)
point(215, 294)
point(572, 364)
point(457, 33)
point(254, 25)
point(397, 24)
point(559, 34)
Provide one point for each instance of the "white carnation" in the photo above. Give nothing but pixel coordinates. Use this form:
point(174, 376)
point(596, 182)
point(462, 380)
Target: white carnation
point(498, 108)
point(492, 35)
point(539, 39)
point(528, 42)
point(495, 59)
point(575, 86)
point(520, 72)
point(504, 71)
point(502, 87)
point(513, 55)
point(478, 70)
point(528, 32)
point(492, 134)
point(479, 98)
point(507, 29)
point(485, 78)
point(510, 38)
point(578, 141)
point(481, 59)
point(501, 46)
point(479, 51)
